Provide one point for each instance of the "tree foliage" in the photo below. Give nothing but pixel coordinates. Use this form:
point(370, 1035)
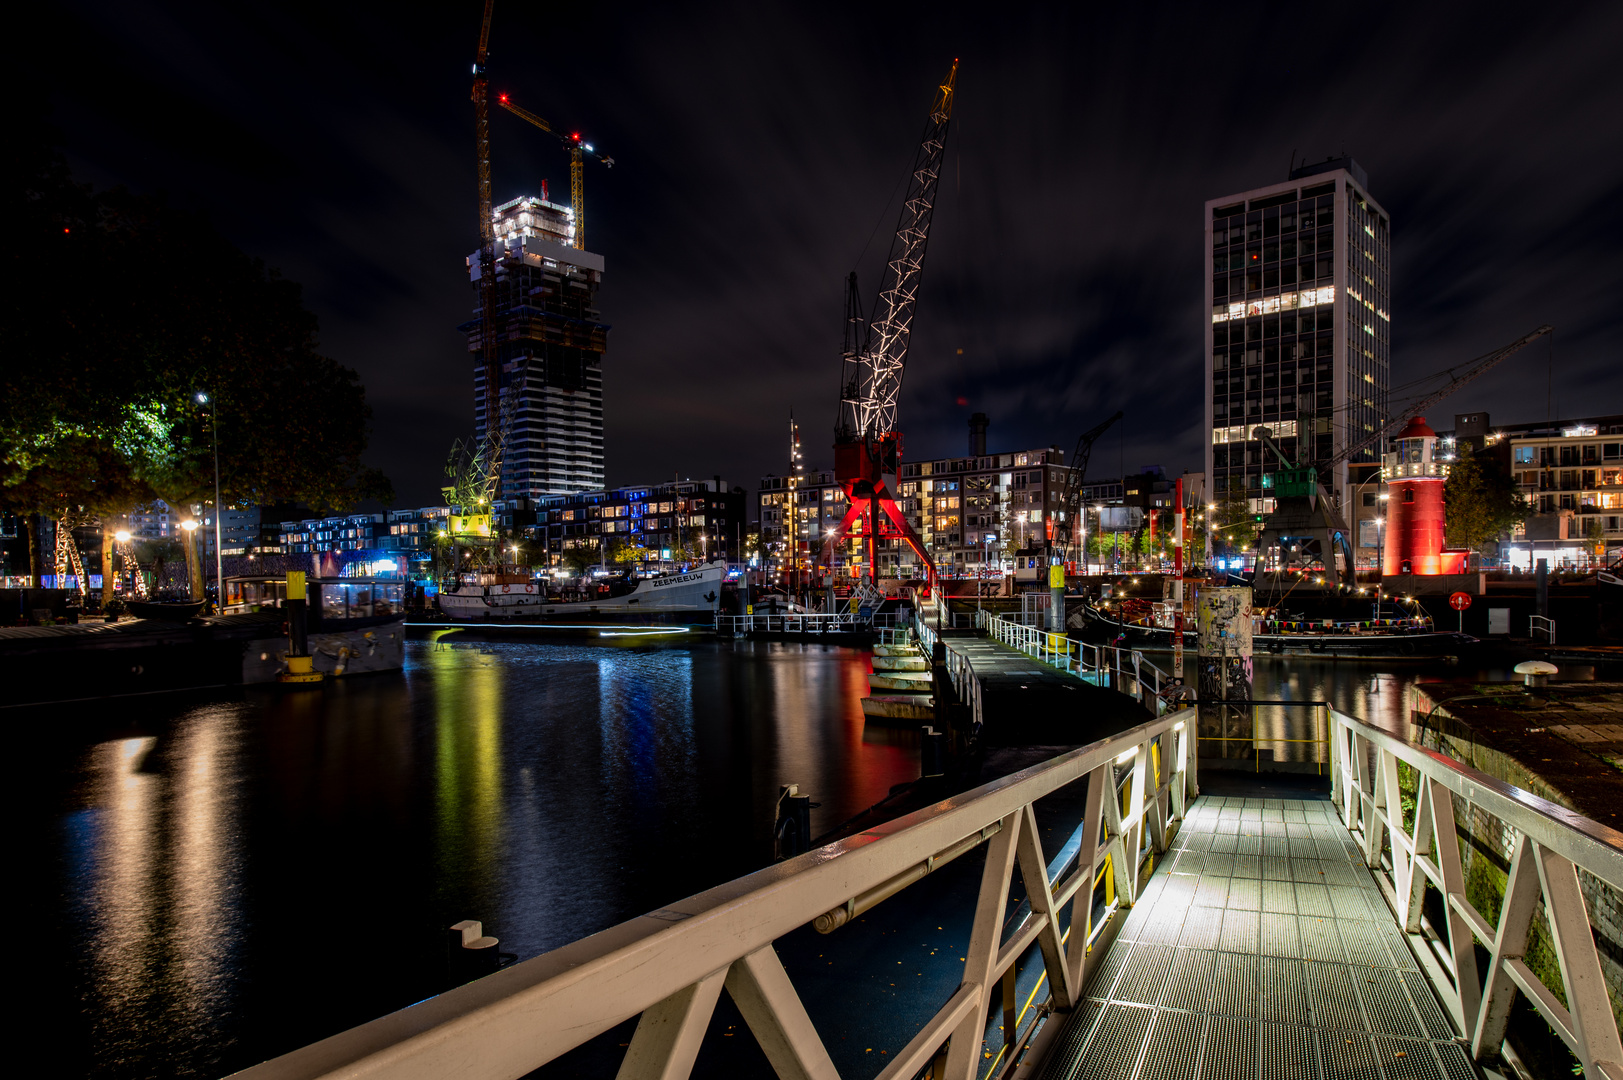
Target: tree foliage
point(1482, 500)
point(125, 310)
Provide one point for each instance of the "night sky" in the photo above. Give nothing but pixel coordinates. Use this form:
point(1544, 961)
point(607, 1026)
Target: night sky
point(760, 154)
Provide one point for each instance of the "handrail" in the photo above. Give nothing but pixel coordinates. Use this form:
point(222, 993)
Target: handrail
point(1552, 844)
point(1061, 651)
point(793, 622)
point(671, 965)
point(965, 681)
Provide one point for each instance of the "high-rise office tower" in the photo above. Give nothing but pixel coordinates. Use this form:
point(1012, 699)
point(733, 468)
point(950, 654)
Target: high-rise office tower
point(1298, 326)
point(551, 344)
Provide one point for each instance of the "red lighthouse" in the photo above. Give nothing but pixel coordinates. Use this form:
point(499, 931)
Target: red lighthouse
point(1414, 506)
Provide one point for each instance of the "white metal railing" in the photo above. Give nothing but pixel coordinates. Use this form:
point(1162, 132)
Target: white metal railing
point(1537, 623)
point(798, 623)
point(1552, 844)
point(671, 965)
point(960, 669)
point(1123, 669)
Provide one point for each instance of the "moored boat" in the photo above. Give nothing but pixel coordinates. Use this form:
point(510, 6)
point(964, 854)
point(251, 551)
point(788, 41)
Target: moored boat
point(1363, 639)
point(515, 598)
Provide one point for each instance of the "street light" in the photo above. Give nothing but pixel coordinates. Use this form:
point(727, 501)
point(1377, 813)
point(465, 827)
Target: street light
point(219, 549)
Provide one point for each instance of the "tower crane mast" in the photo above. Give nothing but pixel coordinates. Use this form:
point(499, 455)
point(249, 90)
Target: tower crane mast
point(474, 468)
point(579, 151)
point(487, 225)
point(867, 446)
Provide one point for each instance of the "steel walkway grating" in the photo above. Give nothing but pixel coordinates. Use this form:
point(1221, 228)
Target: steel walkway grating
point(1261, 948)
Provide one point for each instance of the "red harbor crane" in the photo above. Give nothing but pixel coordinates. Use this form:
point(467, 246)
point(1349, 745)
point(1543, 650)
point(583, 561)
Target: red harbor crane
point(867, 446)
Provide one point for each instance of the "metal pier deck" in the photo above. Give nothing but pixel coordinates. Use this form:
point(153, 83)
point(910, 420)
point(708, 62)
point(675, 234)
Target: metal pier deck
point(1261, 947)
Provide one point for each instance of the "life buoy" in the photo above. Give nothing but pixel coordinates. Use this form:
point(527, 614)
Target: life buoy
point(507, 588)
point(529, 588)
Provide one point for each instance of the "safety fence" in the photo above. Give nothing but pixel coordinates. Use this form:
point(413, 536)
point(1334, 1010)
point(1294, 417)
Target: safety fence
point(670, 965)
point(960, 669)
point(1373, 774)
point(1107, 665)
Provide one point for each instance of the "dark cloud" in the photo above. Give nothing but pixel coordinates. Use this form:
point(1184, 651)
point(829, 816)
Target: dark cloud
point(759, 156)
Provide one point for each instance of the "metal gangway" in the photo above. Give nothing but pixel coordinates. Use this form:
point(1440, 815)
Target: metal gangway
point(1171, 931)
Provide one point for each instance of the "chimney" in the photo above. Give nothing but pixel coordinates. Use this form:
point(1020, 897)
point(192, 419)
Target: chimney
point(977, 435)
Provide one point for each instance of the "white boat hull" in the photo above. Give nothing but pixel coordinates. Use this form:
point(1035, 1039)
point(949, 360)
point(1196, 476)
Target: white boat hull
point(694, 595)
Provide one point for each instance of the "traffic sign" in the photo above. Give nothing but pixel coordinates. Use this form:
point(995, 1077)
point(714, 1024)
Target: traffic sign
point(1459, 601)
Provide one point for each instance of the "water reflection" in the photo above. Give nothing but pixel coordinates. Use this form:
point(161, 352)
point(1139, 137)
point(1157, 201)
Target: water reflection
point(1378, 697)
point(236, 875)
point(122, 856)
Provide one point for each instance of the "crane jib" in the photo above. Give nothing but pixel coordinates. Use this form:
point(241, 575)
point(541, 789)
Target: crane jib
point(868, 447)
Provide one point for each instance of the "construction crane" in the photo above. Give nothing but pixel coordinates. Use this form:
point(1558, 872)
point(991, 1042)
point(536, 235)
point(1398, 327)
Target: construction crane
point(487, 224)
point(579, 151)
point(1305, 525)
point(474, 467)
point(1071, 499)
point(1480, 366)
point(867, 446)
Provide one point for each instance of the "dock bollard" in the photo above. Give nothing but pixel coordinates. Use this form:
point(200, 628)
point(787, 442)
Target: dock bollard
point(791, 832)
point(933, 752)
point(469, 954)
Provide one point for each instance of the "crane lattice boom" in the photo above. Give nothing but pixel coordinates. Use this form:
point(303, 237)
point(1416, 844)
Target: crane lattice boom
point(872, 381)
point(1479, 366)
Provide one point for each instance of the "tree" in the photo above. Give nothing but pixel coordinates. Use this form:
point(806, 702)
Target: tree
point(626, 550)
point(1482, 501)
point(128, 312)
point(578, 560)
point(1595, 533)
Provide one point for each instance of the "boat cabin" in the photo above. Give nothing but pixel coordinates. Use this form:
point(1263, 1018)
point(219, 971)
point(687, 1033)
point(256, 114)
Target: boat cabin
point(333, 601)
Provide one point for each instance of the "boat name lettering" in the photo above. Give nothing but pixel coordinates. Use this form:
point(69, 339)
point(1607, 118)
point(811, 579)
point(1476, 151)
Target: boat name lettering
point(677, 580)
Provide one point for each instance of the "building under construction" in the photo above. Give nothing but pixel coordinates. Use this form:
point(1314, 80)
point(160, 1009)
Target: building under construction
point(550, 346)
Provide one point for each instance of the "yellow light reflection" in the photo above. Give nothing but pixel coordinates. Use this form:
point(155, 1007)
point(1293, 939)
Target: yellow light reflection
point(124, 861)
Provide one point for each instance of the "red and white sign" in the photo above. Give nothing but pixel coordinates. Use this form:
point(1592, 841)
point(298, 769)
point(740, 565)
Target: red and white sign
point(1459, 601)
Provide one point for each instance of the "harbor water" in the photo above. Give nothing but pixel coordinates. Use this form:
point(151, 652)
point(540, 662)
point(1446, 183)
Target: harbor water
point(211, 879)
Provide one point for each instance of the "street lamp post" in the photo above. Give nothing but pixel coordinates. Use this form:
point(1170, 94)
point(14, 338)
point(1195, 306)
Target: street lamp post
point(219, 549)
